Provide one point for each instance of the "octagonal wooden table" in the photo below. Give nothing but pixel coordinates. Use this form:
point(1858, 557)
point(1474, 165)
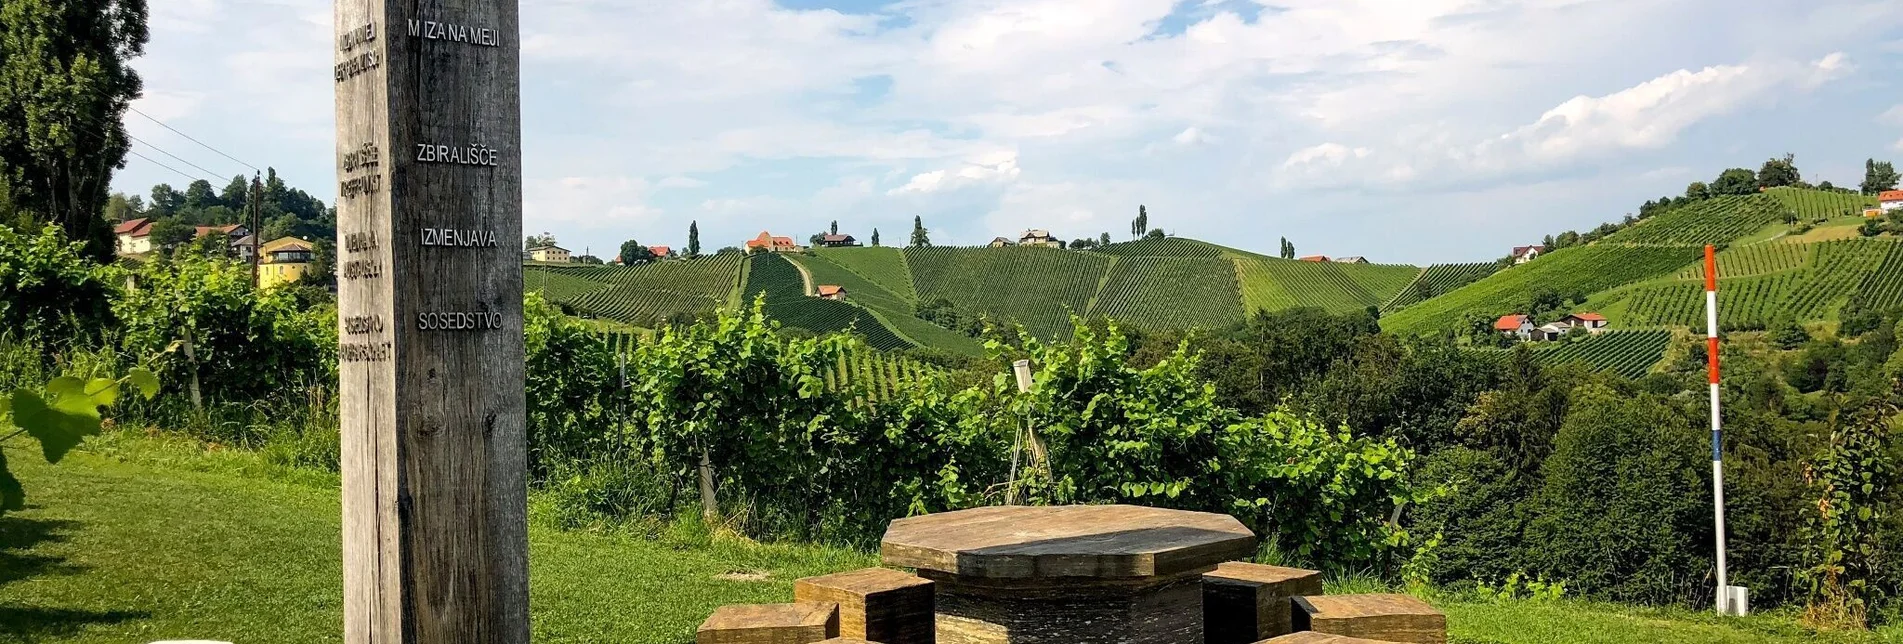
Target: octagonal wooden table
point(1067, 575)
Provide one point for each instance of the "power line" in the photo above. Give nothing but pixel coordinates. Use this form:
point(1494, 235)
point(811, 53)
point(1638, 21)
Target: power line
point(149, 160)
point(174, 156)
point(188, 137)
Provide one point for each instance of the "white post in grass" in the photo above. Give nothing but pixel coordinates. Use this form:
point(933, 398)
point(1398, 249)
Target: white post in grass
point(1723, 595)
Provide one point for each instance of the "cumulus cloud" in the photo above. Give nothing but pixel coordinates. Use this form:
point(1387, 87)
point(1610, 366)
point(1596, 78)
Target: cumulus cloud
point(1192, 136)
point(1011, 106)
point(994, 168)
point(1651, 114)
point(1328, 154)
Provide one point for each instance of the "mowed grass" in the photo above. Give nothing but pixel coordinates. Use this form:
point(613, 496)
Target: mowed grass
point(147, 540)
point(114, 552)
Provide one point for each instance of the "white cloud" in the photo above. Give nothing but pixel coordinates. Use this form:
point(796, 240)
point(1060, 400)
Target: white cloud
point(1894, 116)
point(996, 167)
point(1328, 154)
point(1652, 114)
point(1192, 136)
point(1044, 108)
point(587, 200)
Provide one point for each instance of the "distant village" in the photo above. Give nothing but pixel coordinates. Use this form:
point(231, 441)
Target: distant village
point(284, 260)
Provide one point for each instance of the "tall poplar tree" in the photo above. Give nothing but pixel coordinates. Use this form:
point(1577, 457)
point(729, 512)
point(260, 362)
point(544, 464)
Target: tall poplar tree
point(693, 239)
point(875, 237)
point(919, 237)
point(65, 82)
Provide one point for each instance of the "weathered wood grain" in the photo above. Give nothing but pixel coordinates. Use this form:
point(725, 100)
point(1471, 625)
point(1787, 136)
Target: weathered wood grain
point(878, 604)
point(795, 623)
point(1311, 637)
point(1245, 602)
point(1100, 541)
point(1070, 610)
point(1391, 618)
point(432, 420)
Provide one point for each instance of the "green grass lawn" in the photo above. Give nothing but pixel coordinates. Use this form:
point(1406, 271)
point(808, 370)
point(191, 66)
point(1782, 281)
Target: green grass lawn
point(140, 540)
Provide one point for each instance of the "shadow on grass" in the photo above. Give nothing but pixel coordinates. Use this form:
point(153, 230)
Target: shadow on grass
point(18, 537)
point(33, 623)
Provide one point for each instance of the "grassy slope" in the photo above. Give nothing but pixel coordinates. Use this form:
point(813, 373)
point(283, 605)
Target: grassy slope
point(1038, 287)
point(1171, 293)
point(177, 544)
point(1585, 270)
point(894, 309)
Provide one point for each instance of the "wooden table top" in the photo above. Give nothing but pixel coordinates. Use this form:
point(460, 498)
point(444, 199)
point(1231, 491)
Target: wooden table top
point(1103, 541)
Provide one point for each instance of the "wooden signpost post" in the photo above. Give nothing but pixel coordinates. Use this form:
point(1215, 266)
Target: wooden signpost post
point(430, 341)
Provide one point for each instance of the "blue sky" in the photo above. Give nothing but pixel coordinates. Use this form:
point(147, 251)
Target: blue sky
point(1404, 130)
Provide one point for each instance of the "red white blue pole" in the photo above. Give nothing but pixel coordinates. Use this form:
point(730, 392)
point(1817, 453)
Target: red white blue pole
point(1717, 430)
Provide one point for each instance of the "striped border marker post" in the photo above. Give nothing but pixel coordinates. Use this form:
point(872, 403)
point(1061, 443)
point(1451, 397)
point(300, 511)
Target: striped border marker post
point(1717, 431)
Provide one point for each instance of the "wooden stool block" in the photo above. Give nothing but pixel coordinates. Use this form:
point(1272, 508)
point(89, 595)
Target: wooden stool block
point(1391, 618)
point(1312, 637)
point(878, 604)
point(1245, 602)
point(796, 623)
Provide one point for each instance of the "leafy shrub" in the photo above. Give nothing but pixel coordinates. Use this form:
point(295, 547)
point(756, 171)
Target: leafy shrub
point(1623, 511)
point(47, 290)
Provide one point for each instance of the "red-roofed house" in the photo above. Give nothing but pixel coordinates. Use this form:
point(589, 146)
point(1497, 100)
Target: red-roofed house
point(1315, 258)
point(830, 292)
point(1593, 322)
point(135, 236)
point(1516, 325)
point(768, 243)
point(1890, 200)
point(660, 252)
point(233, 234)
point(1524, 254)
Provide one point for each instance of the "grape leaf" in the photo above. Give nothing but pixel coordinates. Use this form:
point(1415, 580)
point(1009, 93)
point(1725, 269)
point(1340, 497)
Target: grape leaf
point(143, 379)
point(61, 425)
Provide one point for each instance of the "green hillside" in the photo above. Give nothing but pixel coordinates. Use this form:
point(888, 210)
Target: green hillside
point(1713, 221)
point(1580, 270)
point(1818, 204)
point(1760, 284)
point(646, 295)
point(1040, 288)
point(1272, 284)
point(896, 310)
point(1629, 353)
point(1643, 275)
point(1438, 279)
point(1171, 293)
point(787, 302)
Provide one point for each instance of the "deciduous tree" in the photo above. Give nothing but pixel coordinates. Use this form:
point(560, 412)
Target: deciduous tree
point(65, 83)
point(1878, 176)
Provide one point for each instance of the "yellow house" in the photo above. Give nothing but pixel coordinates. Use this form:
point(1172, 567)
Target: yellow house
point(549, 254)
point(283, 261)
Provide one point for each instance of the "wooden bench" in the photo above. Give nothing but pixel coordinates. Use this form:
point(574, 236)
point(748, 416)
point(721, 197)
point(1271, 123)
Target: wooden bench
point(1390, 618)
point(796, 623)
point(1245, 602)
point(877, 604)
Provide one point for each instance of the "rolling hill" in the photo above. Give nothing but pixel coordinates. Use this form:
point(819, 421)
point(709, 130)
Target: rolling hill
point(1646, 277)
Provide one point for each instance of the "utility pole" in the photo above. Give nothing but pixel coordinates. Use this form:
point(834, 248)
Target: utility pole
point(254, 204)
